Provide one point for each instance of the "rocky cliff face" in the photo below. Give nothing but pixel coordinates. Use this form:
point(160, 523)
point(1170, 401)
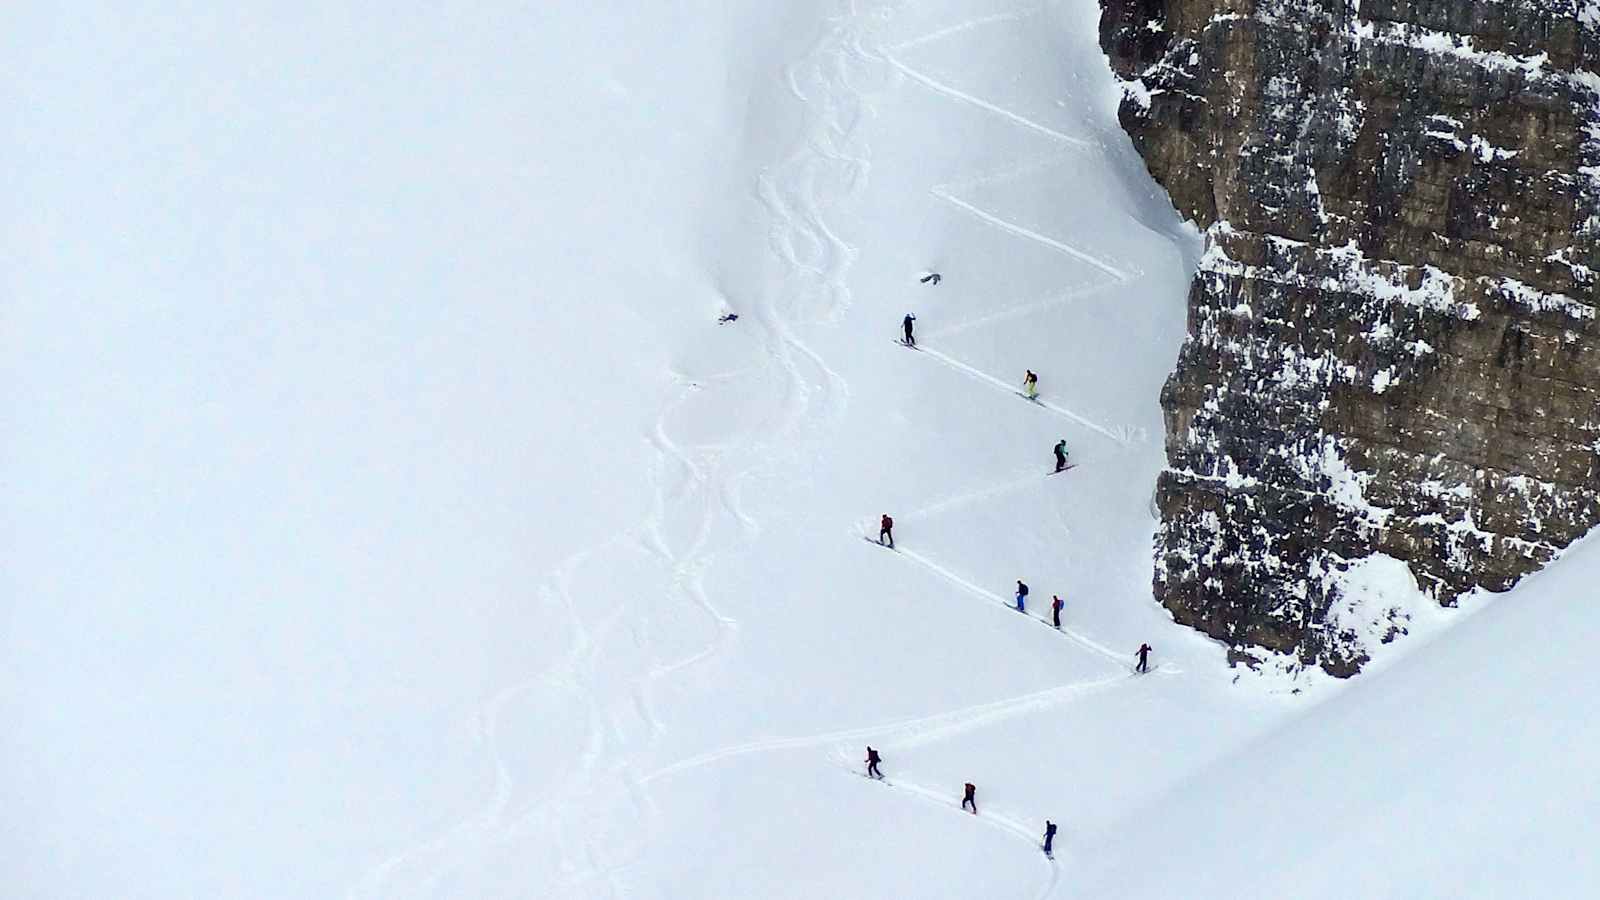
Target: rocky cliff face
point(1392, 350)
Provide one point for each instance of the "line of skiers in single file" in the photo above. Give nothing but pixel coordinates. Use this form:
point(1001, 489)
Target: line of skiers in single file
point(1030, 378)
point(886, 539)
point(969, 796)
point(1030, 390)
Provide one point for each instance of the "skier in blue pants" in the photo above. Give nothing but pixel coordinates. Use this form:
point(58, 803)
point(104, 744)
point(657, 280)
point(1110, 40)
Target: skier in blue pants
point(1022, 597)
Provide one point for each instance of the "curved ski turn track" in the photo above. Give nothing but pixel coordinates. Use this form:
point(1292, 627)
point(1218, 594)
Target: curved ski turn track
point(697, 489)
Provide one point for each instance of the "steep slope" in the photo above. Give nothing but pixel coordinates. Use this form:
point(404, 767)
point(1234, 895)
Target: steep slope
point(392, 517)
point(1463, 771)
point(389, 516)
point(1392, 337)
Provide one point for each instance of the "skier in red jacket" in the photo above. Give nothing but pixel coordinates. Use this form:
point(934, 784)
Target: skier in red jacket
point(886, 530)
point(970, 798)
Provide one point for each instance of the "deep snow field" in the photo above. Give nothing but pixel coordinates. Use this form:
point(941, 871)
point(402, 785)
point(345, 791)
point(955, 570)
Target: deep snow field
point(387, 515)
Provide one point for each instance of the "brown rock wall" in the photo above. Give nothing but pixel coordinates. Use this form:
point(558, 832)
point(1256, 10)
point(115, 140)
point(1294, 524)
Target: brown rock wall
point(1393, 344)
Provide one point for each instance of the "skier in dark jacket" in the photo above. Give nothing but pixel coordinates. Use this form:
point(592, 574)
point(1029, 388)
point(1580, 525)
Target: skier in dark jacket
point(1061, 454)
point(1144, 658)
point(872, 763)
point(1022, 597)
point(970, 798)
point(886, 530)
point(908, 323)
point(1049, 834)
point(1055, 610)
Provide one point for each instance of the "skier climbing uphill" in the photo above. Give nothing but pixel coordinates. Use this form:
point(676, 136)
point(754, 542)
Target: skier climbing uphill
point(907, 324)
point(1144, 658)
point(872, 763)
point(970, 798)
point(1055, 610)
point(886, 530)
point(1022, 597)
point(1030, 385)
point(1061, 454)
point(1049, 835)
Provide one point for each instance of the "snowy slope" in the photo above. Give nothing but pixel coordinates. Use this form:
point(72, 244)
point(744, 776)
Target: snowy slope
point(392, 518)
point(1463, 770)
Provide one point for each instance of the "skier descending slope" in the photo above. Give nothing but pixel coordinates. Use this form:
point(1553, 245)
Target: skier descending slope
point(1022, 597)
point(1055, 610)
point(970, 798)
point(1030, 385)
point(1061, 454)
point(872, 763)
point(1144, 658)
point(1049, 837)
point(886, 530)
point(930, 278)
point(907, 324)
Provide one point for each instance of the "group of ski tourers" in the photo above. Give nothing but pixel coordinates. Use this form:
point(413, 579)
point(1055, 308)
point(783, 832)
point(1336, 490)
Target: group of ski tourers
point(1030, 380)
point(969, 798)
point(1030, 390)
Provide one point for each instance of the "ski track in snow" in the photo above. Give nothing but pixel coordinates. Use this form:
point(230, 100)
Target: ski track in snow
point(438, 856)
point(986, 817)
point(904, 733)
point(1092, 646)
point(1030, 234)
point(940, 87)
point(1121, 435)
point(804, 242)
point(1025, 478)
point(1042, 403)
point(827, 167)
point(1060, 298)
point(967, 25)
